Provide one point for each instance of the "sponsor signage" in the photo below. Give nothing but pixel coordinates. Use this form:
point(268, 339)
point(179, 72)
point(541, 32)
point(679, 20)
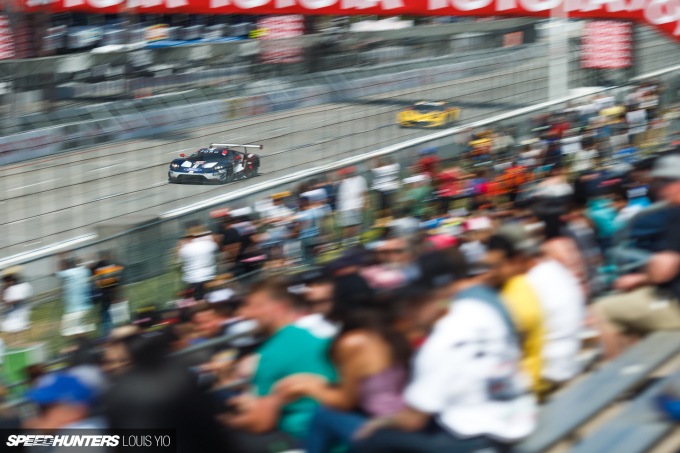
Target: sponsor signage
point(606, 44)
point(513, 39)
point(156, 33)
point(6, 39)
point(84, 36)
point(662, 14)
point(274, 50)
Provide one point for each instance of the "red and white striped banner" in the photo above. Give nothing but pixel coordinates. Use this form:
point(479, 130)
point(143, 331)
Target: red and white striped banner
point(663, 14)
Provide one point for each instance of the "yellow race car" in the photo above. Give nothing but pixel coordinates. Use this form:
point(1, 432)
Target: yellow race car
point(429, 114)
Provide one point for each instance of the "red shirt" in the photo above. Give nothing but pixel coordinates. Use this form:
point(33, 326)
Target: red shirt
point(560, 128)
point(428, 164)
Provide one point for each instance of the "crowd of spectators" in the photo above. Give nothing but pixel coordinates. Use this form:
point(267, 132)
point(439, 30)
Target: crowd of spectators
point(423, 305)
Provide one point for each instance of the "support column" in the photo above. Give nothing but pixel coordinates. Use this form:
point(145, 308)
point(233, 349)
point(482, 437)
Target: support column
point(558, 50)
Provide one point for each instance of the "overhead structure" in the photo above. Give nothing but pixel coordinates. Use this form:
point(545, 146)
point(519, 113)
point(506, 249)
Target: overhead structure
point(662, 14)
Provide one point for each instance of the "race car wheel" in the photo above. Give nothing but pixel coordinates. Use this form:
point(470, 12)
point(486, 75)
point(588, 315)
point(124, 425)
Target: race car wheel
point(252, 171)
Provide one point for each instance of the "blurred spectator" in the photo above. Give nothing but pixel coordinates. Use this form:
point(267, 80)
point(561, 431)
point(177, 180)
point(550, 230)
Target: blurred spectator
point(310, 217)
point(220, 319)
point(276, 216)
point(637, 123)
point(397, 250)
point(288, 350)
point(478, 231)
point(649, 299)
point(33, 372)
point(15, 296)
point(76, 298)
point(563, 307)
point(107, 278)
point(417, 192)
point(351, 202)
point(372, 362)
point(85, 365)
point(157, 392)
point(229, 239)
point(64, 402)
point(386, 184)
point(466, 397)
point(197, 253)
point(116, 357)
point(584, 158)
point(507, 262)
point(317, 288)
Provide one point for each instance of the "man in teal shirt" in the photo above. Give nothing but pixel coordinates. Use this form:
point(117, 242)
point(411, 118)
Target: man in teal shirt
point(288, 350)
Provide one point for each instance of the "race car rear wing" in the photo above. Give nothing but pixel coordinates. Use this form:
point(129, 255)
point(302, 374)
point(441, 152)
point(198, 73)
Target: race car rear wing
point(230, 145)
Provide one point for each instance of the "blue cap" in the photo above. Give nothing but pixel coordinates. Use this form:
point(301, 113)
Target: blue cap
point(432, 149)
point(60, 388)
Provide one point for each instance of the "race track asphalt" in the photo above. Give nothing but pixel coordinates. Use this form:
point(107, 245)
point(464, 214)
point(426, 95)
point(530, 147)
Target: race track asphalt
point(55, 198)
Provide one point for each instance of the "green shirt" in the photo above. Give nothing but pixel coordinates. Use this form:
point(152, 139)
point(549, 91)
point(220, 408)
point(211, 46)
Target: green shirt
point(289, 351)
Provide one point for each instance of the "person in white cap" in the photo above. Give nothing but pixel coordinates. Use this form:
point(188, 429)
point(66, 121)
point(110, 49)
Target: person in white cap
point(197, 252)
point(648, 300)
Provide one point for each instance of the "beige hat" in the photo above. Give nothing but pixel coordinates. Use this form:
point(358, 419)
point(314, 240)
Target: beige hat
point(12, 270)
point(123, 332)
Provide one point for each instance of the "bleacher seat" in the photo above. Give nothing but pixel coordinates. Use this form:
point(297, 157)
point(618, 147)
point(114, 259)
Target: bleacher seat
point(637, 428)
point(579, 403)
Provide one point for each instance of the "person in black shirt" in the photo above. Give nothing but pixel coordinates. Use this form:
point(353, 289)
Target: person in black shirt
point(230, 239)
point(158, 392)
point(106, 276)
point(649, 300)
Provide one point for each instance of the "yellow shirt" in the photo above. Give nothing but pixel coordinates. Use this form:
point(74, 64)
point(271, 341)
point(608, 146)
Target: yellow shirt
point(481, 146)
point(525, 310)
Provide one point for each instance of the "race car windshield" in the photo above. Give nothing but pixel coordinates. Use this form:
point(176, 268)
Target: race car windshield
point(207, 156)
point(428, 108)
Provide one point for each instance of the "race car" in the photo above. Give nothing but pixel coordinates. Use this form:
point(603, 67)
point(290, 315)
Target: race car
point(219, 163)
point(429, 114)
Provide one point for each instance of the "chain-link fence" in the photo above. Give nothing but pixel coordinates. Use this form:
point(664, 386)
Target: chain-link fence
point(113, 182)
point(120, 185)
point(54, 90)
point(152, 273)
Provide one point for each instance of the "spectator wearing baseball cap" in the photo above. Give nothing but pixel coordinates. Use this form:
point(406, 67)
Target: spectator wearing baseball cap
point(467, 391)
point(478, 230)
point(649, 299)
point(197, 252)
point(64, 402)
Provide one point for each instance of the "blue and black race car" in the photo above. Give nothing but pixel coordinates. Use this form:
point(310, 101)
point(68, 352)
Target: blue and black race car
point(219, 163)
